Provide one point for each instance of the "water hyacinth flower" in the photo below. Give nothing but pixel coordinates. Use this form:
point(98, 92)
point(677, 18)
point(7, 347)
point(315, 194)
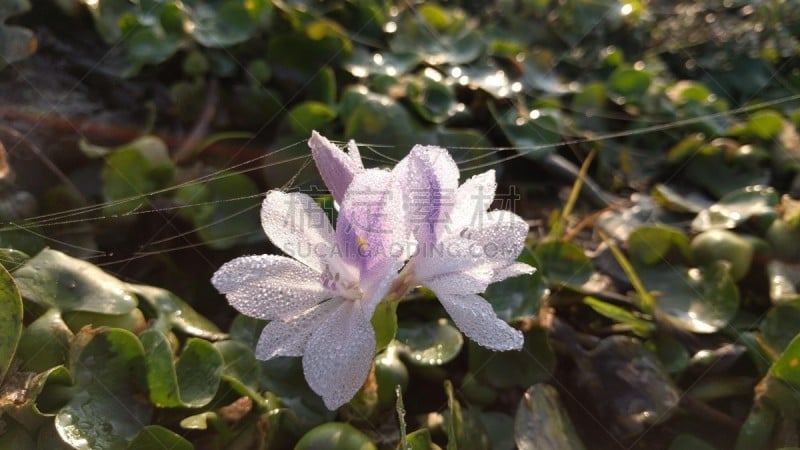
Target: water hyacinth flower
point(320, 303)
point(461, 247)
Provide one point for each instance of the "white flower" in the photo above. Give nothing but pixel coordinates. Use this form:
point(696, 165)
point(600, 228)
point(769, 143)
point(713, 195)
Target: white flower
point(320, 304)
point(462, 248)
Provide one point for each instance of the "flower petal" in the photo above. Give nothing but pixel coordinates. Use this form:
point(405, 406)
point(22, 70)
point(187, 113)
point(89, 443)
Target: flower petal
point(339, 354)
point(336, 168)
point(500, 235)
point(472, 200)
point(512, 270)
point(290, 337)
point(472, 281)
point(370, 229)
point(269, 286)
point(429, 178)
point(296, 224)
point(475, 317)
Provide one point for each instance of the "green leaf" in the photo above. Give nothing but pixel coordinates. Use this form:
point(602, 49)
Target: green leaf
point(10, 320)
point(651, 244)
point(384, 322)
point(432, 100)
point(44, 343)
point(517, 297)
point(335, 436)
point(639, 326)
point(781, 325)
point(12, 259)
point(535, 134)
point(157, 437)
point(52, 279)
point(627, 84)
point(420, 440)
point(542, 423)
point(308, 116)
point(460, 44)
point(170, 311)
point(224, 210)
point(379, 119)
point(765, 124)
point(784, 280)
point(363, 64)
point(240, 367)
point(532, 364)
point(701, 300)
point(563, 263)
point(429, 343)
point(191, 381)
point(752, 203)
point(787, 367)
point(220, 24)
point(106, 411)
point(133, 172)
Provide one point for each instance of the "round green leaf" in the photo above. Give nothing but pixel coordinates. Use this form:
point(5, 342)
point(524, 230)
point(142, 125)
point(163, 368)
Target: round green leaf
point(10, 320)
point(53, 279)
point(191, 381)
point(628, 83)
point(308, 116)
point(44, 343)
point(430, 343)
point(765, 124)
point(335, 436)
point(701, 300)
point(106, 411)
point(650, 244)
point(751, 203)
point(157, 437)
point(542, 423)
point(460, 44)
point(220, 25)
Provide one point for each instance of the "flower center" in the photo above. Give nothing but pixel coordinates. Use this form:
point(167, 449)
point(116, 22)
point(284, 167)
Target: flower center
point(337, 281)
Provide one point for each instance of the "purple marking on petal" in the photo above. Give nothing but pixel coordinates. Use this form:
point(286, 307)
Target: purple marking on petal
point(335, 166)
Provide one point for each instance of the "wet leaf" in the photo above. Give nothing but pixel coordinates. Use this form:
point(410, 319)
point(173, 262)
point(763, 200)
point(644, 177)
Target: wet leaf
point(454, 42)
point(52, 279)
point(170, 311)
point(335, 436)
point(542, 423)
point(701, 300)
point(44, 343)
point(563, 263)
point(432, 100)
point(106, 411)
point(535, 134)
point(651, 244)
point(751, 203)
point(784, 280)
point(362, 63)
point(10, 320)
point(191, 381)
point(627, 384)
point(781, 324)
point(156, 436)
point(220, 24)
point(133, 172)
point(429, 343)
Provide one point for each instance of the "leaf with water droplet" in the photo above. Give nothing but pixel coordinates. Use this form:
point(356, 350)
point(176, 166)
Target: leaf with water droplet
point(430, 343)
point(107, 409)
point(10, 320)
point(54, 279)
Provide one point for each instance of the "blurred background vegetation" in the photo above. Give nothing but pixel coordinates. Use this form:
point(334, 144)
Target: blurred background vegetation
point(139, 136)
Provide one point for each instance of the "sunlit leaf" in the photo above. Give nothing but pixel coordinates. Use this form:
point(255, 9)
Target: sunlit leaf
point(10, 320)
point(430, 343)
